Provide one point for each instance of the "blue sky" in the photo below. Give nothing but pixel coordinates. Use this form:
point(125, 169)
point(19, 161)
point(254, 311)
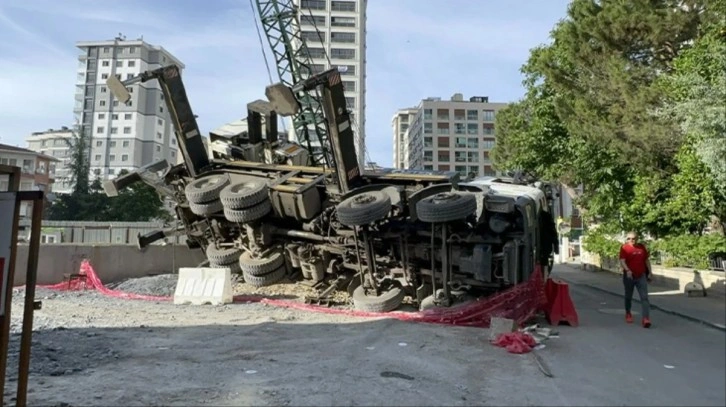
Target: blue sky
point(416, 49)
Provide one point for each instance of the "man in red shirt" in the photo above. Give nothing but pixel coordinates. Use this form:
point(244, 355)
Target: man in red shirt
point(634, 259)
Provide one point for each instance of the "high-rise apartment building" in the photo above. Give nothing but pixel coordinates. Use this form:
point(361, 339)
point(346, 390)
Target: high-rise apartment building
point(123, 136)
point(448, 135)
point(55, 143)
point(401, 123)
point(335, 34)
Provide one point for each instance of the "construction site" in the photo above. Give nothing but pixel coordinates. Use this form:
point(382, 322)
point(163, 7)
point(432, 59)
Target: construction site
point(307, 277)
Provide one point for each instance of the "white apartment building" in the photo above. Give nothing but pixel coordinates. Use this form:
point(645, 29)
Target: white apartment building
point(335, 34)
point(55, 143)
point(123, 136)
point(36, 172)
point(401, 123)
point(448, 135)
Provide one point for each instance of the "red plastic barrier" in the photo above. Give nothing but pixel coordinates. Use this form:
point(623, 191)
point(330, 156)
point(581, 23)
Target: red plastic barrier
point(515, 342)
point(560, 307)
point(519, 303)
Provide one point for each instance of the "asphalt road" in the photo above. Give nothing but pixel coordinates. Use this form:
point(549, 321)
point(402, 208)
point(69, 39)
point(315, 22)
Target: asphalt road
point(605, 361)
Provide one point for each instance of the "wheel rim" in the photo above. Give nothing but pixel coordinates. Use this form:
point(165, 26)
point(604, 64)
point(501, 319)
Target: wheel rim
point(241, 188)
point(207, 181)
point(362, 200)
point(445, 197)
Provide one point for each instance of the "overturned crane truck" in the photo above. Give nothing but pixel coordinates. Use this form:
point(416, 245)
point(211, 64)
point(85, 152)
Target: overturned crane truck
point(379, 235)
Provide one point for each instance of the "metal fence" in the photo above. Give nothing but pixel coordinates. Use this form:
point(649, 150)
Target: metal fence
point(59, 232)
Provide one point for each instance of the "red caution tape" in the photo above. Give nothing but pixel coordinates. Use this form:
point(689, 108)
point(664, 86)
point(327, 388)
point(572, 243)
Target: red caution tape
point(519, 303)
point(515, 342)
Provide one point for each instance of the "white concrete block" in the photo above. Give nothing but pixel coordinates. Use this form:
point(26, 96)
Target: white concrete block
point(204, 285)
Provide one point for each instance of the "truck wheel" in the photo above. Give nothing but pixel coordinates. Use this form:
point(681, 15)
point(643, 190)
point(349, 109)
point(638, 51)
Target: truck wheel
point(206, 209)
point(446, 207)
point(270, 278)
point(244, 194)
point(248, 214)
point(261, 266)
point(364, 208)
point(222, 256)
point(233, 267)
point(205, 189)
point(388, 300)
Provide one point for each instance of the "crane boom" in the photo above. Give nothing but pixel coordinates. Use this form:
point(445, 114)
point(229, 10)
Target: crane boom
point(280, 24)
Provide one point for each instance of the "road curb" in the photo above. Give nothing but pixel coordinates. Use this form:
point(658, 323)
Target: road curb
point(666, 310)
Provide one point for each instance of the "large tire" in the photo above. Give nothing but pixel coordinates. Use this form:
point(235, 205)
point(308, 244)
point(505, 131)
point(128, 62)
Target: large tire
point(266, 279)
point(206, 209)
point(446, 207)
point(259, 267)
point(206, 189)
point(249, 214)
point(222, 256)
point(364, 208)
point(387, 301)
point(234, 267)
point(244, 194)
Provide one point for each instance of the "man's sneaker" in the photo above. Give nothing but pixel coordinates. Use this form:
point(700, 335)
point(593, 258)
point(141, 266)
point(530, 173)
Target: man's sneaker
point(628, 317)
point(646, 322)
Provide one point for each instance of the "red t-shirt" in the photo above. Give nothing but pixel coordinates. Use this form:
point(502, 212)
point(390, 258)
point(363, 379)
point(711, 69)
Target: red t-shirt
point(635, 257)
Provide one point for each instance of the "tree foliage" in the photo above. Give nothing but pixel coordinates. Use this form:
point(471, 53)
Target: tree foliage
point(629, 101)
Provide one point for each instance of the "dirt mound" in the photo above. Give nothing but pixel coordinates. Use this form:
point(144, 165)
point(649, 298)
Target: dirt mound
point(161, 285)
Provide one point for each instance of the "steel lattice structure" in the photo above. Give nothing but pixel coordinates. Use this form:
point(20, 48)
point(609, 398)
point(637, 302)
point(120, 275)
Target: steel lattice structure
point(279, 21)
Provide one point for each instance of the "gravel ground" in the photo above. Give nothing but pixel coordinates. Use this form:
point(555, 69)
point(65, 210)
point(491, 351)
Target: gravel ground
point(89, 349)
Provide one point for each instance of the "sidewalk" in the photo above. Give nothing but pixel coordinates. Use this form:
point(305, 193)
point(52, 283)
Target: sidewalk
point(710, 311)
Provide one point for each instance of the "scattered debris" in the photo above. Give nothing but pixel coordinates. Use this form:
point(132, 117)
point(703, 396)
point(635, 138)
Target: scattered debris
point(402, 344)
point(516, 342)
point(669, 367)
point(541, 364)
point(397, 375)
point(500, 326)
point(162, 285)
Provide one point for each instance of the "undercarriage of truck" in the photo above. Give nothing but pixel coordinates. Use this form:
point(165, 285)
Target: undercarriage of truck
point(382, 235)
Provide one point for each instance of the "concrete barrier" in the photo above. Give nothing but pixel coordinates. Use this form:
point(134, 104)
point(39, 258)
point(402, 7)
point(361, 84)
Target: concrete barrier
point(112, 262)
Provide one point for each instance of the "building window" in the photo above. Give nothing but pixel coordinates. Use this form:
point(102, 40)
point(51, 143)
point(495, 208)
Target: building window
point(488, 115)
point(312, 37)
point(111, 171)
point(125, 143)
point(112, 144)
point(158, 135)
point(488, 144)
point(103, 89)
point(132, 64)
point(472, 115)
point(173, 142)
point(104, 76)
point(313, 4)
point(342, 37)
point(132, 50)
point(460, 142)
point(459, 128)
point(428, 114)
point(101, 116)
point(342, 5)
point(444, 157)
point(428, 167)
point(342, 21)
point(114, 116)
point(460, 157)
point(442, 128)
point(428, 155)
point(96, 171)
point(119, 64)
point(158, 148)
point(316, 68)
point(161, 109)
point(461, 169)
point(318, 53)
point(428, 141)
point(112, 157)
point(342, 53)
point(99, 129)
point(104, 63)
point(159, 122)
point(472, 128)
point(99, 143)
point(127, 116)
point(442, 114)
point(129, 75)
point(472, 156)
point(472, 142)
point(316, 21)
point(444, 168)
point(114, 130)
point(97, 157)
point(346, 70)
point(459, 114)
point(127, 130)
point(173, 154)
point(115, 103)
point(428, 128)
point(350, 102)
point(488, 129)
point(125, 157)
point(102, 103)
point(443, 142)
point(106, 50)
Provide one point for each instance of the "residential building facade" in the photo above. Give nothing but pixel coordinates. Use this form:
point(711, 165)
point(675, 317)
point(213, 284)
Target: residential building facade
point(123, 136)
point(401, 124)
point(36, 172)
point(449, 135)
point(57, 144)
point(334, 32)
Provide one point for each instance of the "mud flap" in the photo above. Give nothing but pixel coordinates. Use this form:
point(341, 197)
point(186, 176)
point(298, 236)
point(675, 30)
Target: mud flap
point(203, 285)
